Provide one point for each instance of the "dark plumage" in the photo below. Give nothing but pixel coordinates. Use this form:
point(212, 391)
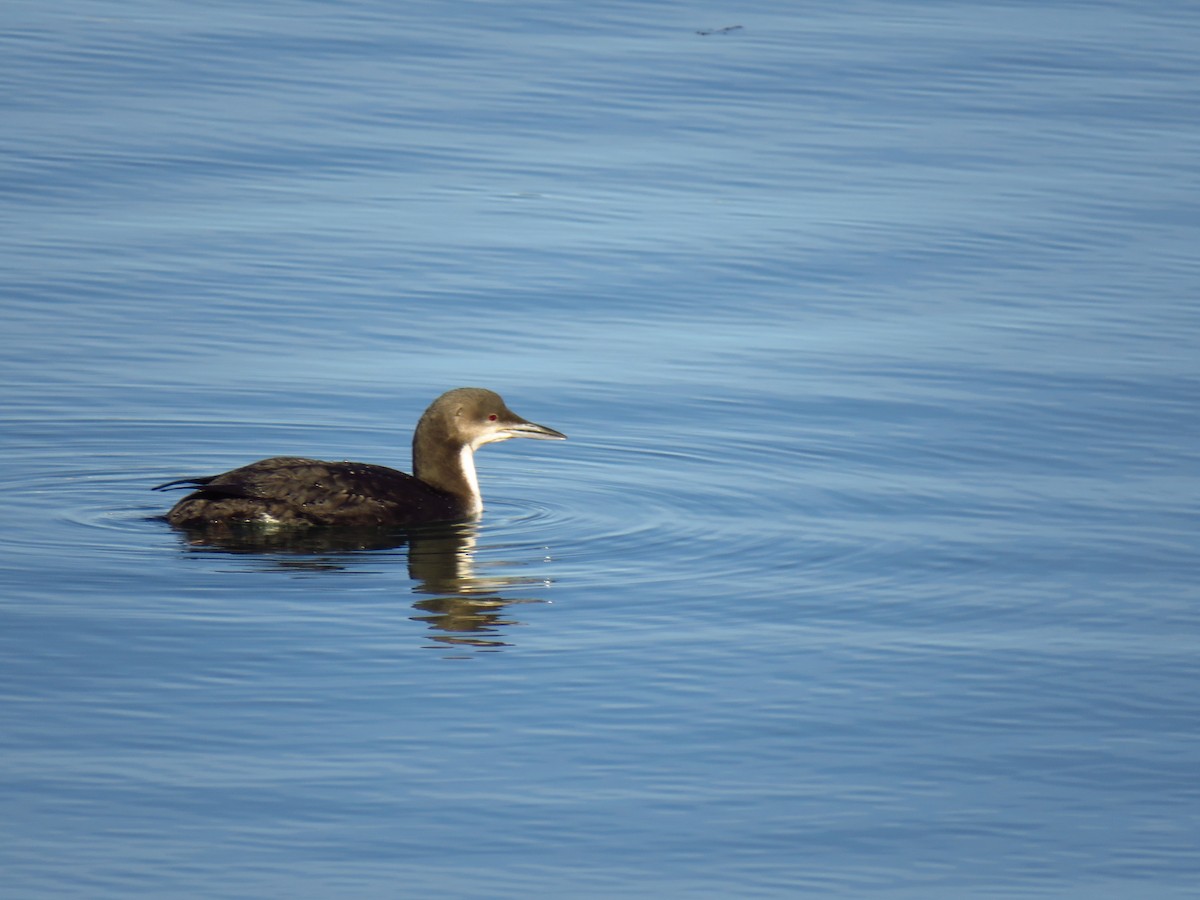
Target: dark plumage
point(294, 491)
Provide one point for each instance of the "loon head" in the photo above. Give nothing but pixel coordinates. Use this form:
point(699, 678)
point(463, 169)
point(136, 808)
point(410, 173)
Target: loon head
point(476, 416)
point(457, 424)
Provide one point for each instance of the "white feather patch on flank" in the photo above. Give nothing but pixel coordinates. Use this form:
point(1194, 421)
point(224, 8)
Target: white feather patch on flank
point(269, 522)
point(466, 459)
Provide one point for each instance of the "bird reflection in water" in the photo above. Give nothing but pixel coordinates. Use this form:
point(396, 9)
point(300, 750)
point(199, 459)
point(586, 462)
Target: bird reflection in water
point(468, 607)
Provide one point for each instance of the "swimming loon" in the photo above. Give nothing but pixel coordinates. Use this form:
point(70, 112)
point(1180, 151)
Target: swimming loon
point(287, 490)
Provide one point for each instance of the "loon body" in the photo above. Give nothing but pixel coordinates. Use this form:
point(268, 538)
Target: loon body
point(288, 490)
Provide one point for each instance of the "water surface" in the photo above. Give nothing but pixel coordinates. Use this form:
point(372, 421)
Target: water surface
point(869, 568)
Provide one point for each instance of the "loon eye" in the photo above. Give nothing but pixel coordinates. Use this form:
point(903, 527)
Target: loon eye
point(492, 417)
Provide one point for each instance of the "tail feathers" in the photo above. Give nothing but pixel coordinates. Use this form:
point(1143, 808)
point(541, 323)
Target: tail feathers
point(181, 483)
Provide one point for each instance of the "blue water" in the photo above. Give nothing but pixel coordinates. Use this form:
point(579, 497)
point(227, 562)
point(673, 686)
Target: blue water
point(869, 569)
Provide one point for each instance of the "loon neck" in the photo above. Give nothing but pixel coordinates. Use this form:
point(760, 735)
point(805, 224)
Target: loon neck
point(448, 466)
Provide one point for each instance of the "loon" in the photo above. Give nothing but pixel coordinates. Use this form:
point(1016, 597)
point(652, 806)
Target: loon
point(294, 491)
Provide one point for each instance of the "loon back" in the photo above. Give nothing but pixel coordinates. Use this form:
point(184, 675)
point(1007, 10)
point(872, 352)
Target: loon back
point(288, 490)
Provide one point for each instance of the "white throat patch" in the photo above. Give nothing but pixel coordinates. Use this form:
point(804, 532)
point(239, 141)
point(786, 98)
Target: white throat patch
point(466, 458)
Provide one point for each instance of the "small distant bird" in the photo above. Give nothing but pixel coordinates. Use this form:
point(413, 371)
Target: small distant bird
point(288, 490)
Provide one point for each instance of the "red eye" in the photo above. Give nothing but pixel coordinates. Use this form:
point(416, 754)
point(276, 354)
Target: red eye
point(492, 417)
